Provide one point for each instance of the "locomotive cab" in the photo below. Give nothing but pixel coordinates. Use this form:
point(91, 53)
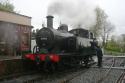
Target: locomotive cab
point(82, 37)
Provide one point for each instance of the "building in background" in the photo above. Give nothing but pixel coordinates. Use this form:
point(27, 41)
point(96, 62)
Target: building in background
point(15, 33)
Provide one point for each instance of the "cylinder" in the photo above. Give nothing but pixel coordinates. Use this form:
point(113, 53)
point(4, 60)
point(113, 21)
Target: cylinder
point(49, 21)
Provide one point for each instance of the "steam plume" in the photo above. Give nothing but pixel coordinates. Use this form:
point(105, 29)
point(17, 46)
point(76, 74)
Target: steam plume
point(74, 12)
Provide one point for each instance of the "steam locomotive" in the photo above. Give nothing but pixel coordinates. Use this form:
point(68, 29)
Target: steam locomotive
point(62, 47)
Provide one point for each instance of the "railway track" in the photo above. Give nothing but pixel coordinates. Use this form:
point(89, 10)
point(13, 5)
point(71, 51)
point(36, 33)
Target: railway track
point(116, 65)
point(113, 71)
point(16, 75)
point(109, 73)
point(121, 78)
point(36, 77)
point(58, 76)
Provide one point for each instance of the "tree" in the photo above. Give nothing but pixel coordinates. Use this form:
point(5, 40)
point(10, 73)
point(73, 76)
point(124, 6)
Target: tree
point(107, 28)
point(113, 45)
point(122, 44)
point(102, 27)
point(100, 19)
point(6, 6)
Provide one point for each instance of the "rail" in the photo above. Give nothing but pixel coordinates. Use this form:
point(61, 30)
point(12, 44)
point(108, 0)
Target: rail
point(74, 74)
point(17, 75)
point(114, 56)
point(107, 73)
point(120, 79)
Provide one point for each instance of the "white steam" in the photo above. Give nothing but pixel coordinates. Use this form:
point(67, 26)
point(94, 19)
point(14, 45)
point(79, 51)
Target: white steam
point(74, 12)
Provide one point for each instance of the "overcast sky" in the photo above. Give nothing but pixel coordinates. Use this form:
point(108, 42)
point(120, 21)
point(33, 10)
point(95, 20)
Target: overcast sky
point(37, 9)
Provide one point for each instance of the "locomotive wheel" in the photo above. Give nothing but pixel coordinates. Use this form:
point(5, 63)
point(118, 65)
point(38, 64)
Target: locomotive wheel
point(49, 67)
point(86, 61)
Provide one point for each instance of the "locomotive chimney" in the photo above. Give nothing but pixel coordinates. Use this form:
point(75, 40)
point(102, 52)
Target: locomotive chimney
point(49, 21)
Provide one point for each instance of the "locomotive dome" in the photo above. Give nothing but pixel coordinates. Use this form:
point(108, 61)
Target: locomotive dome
point(63, 27)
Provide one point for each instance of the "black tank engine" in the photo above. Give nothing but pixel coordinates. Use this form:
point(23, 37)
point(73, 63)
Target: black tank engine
point(62, 46)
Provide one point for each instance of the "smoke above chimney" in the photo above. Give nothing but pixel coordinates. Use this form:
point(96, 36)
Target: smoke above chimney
point(74, 12)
